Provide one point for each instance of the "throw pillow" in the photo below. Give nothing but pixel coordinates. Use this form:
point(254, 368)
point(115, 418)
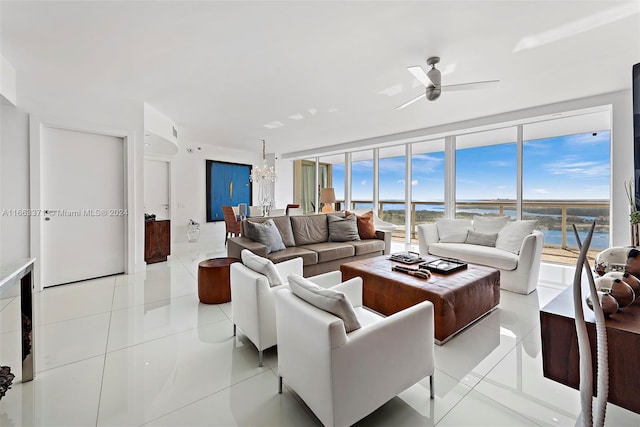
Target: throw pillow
point(329, 300)
point(342, 229)
point(266, 233)
point(489, 224)
point(263, 266)
point(483, 239)
point(366, 227)
point(453, 230)
point(510, 238)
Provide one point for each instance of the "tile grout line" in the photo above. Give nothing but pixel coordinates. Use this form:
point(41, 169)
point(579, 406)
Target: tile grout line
point(106, 346)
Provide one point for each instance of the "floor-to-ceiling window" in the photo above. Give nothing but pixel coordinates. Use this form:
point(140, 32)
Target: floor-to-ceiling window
point(391, 193)
point(486, 173)
point(362, 180)
point(427, 183)
point(566, 182)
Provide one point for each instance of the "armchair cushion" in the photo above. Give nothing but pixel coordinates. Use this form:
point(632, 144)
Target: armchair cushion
point(329, 300)
point(510, 238)
point(266, 233)
point(261, 265)
point(342, 229)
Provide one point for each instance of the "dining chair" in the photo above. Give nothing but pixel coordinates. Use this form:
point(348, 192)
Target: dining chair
point(231, 223)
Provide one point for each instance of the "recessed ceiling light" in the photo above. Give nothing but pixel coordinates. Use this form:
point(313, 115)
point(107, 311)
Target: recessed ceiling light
point(146, 144)
point(274, 124)
point(313, 111)
point(297, 116)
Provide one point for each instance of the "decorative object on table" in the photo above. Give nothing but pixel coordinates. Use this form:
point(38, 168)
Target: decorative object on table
point(587, 415)
point(193, 231)
point(618, 289)
point(634, 214)
point(264, 176)
point(328, 198)
point(627, 278)
point(6, 378)
point(227, 184)
point(416, 272)
point(611, 259)
point(444, 265)
point(406, 257)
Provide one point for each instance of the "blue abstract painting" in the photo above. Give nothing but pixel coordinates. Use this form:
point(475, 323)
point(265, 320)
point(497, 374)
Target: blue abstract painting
point(227, 185)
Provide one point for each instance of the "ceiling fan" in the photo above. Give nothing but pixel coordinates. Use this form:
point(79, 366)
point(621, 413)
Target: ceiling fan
point(432, 79)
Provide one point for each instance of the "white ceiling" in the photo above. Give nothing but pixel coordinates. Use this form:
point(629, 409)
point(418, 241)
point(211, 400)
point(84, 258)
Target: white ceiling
point(329, 72)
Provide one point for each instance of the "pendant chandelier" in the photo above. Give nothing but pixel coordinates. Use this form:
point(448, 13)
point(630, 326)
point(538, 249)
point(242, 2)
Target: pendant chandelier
point(264, 178)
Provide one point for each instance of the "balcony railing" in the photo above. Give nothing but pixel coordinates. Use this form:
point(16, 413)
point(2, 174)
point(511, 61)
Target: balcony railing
point(554, 217)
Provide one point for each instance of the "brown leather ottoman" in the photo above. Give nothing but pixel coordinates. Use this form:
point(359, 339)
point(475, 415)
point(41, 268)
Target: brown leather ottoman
point(213, 280)
point(459, 298)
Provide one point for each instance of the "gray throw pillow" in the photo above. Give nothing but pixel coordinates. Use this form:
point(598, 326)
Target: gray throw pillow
point(343, 229)
point(329, 300)
point(510, 238)
point(483, 239)
point(266, 233)
point(263, 266)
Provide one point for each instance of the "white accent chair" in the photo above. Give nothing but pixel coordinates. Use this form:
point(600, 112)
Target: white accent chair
point(342, 376)
point(253, 300)
point(296, 211)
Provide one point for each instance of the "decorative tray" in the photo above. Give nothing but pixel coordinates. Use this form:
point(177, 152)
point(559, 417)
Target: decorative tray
point(443, 265)
point(407, 257)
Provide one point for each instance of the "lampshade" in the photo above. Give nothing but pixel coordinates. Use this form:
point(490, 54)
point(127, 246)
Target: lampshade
point(328, 197)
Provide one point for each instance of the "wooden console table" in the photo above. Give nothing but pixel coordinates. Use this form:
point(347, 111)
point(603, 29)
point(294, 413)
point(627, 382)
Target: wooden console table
point(157, 241)
point(560, 358)
point(21, 272)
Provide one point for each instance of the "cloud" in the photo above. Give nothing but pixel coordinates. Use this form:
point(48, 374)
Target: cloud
point(574, 168)
point(500, 163)
point(426, 163)
point(539, 191)
point(414, 182)
point(363, 182)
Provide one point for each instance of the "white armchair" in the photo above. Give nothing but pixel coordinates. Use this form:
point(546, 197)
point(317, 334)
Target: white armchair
point(253, 302)
point(343, 376)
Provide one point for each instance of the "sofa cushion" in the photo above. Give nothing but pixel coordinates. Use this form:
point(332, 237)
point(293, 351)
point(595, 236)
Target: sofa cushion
point(342, 229)
point(366, 225)
point(329, 251)
point(308, 257)
point(309, 229)
point(489, 224)
point(453, 230)
point(510, 238)
point(483, 255)
point(282, 223)
point(263, 266)
point(329, 300)
point(482, 239)
point(266, 233)
point(368, 246)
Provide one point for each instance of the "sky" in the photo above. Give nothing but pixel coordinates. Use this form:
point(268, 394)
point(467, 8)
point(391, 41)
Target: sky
point(571, 167)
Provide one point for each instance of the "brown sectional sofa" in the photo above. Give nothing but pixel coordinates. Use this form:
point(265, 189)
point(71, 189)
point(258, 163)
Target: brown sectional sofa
point(307, 237)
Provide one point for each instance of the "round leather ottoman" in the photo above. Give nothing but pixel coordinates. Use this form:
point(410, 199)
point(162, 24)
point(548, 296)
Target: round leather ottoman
point(213, 280)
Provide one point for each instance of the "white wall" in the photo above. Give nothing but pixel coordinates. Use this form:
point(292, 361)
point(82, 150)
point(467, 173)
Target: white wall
point(284, 184)
point(7, 81)
point(14, 188)
point(189, 185)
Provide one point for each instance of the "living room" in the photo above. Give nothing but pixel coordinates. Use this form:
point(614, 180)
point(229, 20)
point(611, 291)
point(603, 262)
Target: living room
point(314, 80)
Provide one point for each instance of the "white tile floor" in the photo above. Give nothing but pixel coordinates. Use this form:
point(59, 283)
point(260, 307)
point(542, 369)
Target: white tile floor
point(141, 349)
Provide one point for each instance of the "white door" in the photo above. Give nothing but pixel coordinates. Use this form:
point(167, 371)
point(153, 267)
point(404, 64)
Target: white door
point(83, 218)
point(156, 188)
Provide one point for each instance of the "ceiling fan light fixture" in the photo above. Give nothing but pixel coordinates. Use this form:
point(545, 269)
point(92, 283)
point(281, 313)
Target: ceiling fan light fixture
point(433, 93)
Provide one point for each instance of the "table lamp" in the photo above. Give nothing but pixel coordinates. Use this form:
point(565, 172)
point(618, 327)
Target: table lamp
point(328, 198)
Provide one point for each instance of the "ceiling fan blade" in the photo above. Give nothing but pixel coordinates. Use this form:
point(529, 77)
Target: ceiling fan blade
point(471, 86)
point(420, 75)
point(417, 98)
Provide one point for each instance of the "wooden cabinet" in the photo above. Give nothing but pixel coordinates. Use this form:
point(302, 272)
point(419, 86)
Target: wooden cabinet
point(157, 241)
